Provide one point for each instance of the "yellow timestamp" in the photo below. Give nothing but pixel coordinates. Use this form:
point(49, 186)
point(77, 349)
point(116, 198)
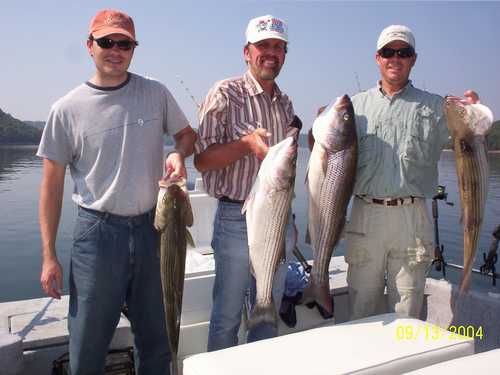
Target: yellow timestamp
point(433, 332)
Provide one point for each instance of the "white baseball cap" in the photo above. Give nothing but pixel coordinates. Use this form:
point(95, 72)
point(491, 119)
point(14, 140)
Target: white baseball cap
point(266, 27)
point(395, 32)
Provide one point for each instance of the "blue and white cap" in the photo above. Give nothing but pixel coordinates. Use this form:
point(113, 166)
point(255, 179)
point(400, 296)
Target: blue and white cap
point(266, 27)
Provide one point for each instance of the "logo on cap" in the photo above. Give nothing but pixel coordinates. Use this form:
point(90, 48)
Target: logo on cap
point(271, 24)
point(266, 27)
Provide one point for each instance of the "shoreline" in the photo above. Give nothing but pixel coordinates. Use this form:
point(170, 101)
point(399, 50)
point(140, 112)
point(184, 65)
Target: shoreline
point(489, 151)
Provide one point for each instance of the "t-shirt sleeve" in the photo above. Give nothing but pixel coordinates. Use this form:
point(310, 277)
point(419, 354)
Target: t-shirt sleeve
point(212, 118)
point(55, 143)
point(175, 119)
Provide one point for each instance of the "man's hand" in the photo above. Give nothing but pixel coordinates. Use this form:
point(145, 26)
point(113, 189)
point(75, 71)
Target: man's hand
point(174, 166)
point(256, 142)
point(51, 278)
point(472, 97)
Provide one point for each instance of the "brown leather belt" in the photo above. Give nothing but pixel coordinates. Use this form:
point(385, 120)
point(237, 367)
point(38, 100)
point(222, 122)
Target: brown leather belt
point(229, 200)
point(389, 201)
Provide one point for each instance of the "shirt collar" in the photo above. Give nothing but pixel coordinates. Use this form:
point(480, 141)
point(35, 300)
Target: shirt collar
point(254, 87)
point(406, 88)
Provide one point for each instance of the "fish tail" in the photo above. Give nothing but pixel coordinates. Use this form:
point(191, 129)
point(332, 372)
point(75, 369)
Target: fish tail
point(189, 238)
point(319, 294)
point(262, 313)
point(174, 364)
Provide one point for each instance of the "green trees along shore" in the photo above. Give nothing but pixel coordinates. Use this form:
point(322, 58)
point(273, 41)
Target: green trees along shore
point(14, 131)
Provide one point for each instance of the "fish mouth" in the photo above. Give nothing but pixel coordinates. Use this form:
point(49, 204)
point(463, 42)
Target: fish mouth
point(342, 103)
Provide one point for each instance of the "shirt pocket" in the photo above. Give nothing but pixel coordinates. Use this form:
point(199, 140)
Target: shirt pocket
point(367, 146)
point(243, 128)
point(421, 137)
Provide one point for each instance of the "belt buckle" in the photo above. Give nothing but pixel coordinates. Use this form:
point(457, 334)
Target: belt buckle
point(393, 202)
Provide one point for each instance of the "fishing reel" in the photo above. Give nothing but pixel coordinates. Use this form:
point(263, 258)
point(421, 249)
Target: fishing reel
point(442, 195)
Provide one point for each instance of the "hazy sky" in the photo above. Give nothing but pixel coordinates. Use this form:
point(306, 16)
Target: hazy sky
point(332, 46)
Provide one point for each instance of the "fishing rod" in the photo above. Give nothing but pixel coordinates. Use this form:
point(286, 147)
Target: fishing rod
point(188, 91)
point(488, 268)
point(493, 274)
point(440, 264)
point(439, 261)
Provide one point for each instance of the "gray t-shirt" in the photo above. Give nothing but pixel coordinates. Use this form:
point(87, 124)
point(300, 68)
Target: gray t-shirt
point(112, 140)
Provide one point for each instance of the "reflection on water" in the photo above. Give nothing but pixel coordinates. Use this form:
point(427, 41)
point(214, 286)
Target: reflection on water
point(14, 159)
point(20, 175)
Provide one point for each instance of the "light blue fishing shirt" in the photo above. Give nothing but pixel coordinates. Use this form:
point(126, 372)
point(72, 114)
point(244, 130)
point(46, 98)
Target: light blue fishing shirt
point(400, 141)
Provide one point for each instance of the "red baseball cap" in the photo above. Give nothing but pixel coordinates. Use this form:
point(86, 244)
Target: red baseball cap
point(108, 21)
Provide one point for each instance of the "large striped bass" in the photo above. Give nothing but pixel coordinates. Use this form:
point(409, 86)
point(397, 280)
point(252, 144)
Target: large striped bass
point(173, 216)
point(468, 125)
point(330, 181)
point(267, 209)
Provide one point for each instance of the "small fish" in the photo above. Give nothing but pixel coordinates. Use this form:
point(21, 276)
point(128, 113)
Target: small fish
point(468, 125)
point(330, 181)
point(173, 216)
point(267, 209)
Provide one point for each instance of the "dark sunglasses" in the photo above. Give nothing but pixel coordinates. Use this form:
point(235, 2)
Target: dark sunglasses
point(404, 53)
point(106, 43)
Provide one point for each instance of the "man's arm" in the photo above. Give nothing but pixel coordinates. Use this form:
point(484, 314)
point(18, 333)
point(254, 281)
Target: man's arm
point(51, 194)
point(184, 147)
point(220, 155)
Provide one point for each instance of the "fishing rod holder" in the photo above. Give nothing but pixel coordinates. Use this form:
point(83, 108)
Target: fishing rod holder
point(491, 258)
point(439, 262)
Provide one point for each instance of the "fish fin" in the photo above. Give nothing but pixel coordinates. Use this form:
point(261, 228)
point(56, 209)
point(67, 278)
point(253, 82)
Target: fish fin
point(308, 236)
point(188, 212)
point(189, 238)
point(250, 197)
point(262, 313)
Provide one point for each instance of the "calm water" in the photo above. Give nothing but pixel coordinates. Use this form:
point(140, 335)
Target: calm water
point(20, 175)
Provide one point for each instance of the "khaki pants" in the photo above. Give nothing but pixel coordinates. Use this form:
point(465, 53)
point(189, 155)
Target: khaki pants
point(387, 246)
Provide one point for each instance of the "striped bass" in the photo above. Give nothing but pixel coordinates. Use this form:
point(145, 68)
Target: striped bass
point(173, 216)
point(330, 181)
point(267, 209)
point(468, 125)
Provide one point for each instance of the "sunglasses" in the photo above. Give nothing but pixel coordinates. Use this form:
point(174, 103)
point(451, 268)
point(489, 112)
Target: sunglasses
point(106, 43)
point(404, 53)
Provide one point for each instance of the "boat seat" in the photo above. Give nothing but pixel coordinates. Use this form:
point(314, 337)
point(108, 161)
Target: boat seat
point(486, 362)
point(202, 229)
point(381, 344)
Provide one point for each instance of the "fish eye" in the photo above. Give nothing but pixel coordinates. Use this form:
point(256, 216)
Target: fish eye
point(346, 116)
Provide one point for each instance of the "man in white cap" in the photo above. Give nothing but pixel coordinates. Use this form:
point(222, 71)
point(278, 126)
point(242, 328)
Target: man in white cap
point(109, 131)
point(401, 132)
point(239, 119)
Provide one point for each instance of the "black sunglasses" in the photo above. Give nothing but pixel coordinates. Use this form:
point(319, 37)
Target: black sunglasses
point(404, 53)
point(106, 43)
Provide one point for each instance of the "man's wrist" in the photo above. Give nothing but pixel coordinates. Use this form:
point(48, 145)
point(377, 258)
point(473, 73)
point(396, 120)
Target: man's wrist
point(176, 151)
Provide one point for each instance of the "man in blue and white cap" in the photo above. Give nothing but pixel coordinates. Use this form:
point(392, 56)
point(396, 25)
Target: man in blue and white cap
point(239, 120)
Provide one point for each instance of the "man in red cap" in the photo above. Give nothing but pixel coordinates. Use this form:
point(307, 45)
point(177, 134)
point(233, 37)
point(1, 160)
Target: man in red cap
point(109, 130)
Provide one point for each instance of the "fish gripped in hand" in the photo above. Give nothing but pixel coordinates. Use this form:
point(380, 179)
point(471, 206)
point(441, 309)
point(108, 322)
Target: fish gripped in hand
point(330, 182)
point(468, 125)
point(173, 216)
point(267, 210)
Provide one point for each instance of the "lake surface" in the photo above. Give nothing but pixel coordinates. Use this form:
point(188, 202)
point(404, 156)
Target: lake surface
point(20, 176)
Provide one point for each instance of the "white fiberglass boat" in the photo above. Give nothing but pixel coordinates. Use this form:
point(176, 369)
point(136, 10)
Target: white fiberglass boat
point(33, 333)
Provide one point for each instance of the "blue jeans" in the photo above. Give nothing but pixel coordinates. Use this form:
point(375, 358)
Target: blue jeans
point(233, 281)
point(115, 260)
